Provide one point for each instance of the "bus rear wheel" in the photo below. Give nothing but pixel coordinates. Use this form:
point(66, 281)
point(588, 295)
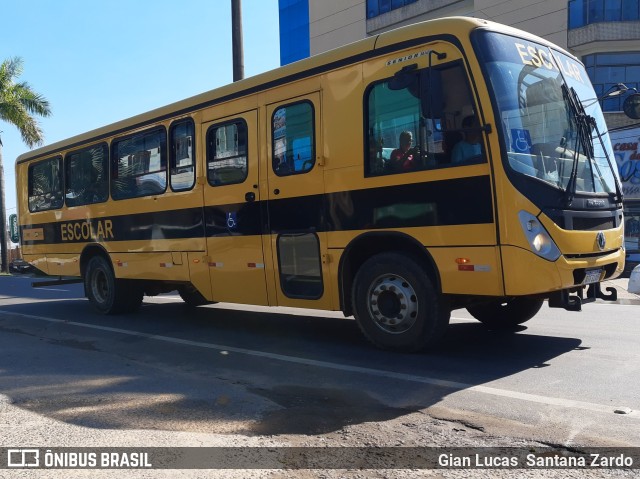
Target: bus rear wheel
point(396, 305)
point(108, 294)
point(506, 314)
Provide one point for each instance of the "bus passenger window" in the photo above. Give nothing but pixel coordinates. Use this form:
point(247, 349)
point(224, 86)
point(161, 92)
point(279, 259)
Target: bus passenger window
point(139, 165)
point(45, 185)
point(86, 174)
point(182, 155)
point(293, 139)
point(227, 153)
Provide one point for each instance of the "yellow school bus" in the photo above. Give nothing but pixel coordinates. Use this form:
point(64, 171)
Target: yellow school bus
point(455, 163)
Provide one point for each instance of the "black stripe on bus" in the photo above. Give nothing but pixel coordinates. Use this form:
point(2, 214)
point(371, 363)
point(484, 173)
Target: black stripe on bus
point(461, 201)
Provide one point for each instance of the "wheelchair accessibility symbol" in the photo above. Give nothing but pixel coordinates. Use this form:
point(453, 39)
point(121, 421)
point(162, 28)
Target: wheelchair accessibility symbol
point(520, 140)
point(231, 220)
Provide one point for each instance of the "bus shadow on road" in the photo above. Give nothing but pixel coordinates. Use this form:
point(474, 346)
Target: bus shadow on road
point(225, 370)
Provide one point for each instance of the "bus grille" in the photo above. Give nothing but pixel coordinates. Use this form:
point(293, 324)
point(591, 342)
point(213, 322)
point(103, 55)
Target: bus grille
point(594, 224)
point(579, 274)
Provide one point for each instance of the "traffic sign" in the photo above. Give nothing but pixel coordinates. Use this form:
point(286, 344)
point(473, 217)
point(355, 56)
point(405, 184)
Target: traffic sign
point(13, 228)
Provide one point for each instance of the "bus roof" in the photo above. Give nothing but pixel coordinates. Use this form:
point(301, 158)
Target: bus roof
point(330, 60)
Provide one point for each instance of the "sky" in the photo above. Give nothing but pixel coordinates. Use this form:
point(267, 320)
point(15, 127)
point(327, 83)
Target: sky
point(101, 61)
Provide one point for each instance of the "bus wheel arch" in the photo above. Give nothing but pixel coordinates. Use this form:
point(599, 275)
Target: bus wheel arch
point(89, 252)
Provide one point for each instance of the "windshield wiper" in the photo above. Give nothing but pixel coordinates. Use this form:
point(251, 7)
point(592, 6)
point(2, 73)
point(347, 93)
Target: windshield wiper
point(584, 125)
point(618, 193)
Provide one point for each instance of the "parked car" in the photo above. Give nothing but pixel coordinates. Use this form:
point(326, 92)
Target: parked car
point(20, 266)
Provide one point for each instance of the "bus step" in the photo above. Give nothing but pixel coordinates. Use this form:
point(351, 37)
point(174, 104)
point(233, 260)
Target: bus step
point(44, 284)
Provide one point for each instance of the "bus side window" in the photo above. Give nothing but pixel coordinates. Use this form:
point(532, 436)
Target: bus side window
point(293, 139)
point(139, 165)
point(45, 185)
point(227, 153)
point(182, 155)
point(86, 174)
point(429, 110)
point(393, 117)
point(461, 138)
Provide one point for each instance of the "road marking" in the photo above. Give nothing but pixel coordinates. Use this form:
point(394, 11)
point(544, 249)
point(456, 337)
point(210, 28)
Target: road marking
point(535, 398)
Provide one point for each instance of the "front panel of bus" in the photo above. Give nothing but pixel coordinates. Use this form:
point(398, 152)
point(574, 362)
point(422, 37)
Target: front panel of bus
point(560, 202)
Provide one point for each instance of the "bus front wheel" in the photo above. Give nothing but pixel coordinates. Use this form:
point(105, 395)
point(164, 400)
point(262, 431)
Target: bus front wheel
point(506, 314)
point(396, 305)
point(108, 294)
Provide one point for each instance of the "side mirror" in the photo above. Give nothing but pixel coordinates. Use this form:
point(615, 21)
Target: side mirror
point(631, 106)
point(404, 78)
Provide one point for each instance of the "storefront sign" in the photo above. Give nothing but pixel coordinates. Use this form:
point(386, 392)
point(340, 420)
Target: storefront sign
point(626, 148)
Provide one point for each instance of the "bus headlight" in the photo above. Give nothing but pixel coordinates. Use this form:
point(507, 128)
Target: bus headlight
point(539, 240)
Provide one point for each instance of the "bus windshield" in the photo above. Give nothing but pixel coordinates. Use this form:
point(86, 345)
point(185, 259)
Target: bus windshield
point(553, 126)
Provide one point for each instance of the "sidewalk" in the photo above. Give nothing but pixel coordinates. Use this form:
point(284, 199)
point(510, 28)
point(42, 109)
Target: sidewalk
point(621, 285)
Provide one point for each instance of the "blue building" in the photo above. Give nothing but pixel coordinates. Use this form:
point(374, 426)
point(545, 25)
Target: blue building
point(294, 30)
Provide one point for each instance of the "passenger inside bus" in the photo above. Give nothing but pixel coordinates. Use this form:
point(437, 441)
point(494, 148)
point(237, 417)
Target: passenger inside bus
point(469, 148)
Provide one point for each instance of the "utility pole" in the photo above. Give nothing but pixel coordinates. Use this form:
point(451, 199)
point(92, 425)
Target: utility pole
point(236, 34)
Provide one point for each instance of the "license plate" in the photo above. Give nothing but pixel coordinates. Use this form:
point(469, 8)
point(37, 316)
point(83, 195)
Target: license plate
point(592, 276)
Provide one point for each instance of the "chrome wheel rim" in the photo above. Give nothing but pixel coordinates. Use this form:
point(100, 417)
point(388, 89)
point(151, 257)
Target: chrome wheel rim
point(393, 303)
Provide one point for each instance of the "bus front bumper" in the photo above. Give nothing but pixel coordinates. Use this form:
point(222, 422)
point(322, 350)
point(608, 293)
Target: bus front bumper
point(525, 273)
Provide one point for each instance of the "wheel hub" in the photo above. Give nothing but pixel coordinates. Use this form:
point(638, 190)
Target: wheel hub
point(100, 286)
point(393, 303)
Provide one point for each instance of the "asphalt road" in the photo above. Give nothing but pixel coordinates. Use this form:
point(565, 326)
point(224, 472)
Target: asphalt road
point(174, 375)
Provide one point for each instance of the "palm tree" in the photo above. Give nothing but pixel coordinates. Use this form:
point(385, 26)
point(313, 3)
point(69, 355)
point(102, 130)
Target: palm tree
point(18, 104)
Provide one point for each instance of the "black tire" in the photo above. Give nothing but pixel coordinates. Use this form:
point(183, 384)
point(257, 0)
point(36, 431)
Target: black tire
point(191, 296)
point(108, 294)
point(506, 313)
point(396, 305)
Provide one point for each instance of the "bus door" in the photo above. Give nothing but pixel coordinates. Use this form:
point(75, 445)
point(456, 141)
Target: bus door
point(297, 239)
point(232, 210)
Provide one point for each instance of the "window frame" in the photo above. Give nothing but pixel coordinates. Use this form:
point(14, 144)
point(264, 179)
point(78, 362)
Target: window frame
point(235, 121)
point(171, 158)
point(107, 161)
point(456, 63)
point(60, 178)
point(313, 138)
point(163, 159)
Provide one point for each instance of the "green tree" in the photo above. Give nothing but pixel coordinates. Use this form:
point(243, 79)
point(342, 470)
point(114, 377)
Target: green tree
point(18, 106)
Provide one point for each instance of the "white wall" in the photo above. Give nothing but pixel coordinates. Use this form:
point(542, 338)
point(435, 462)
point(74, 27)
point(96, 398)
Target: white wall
point(334, 23)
